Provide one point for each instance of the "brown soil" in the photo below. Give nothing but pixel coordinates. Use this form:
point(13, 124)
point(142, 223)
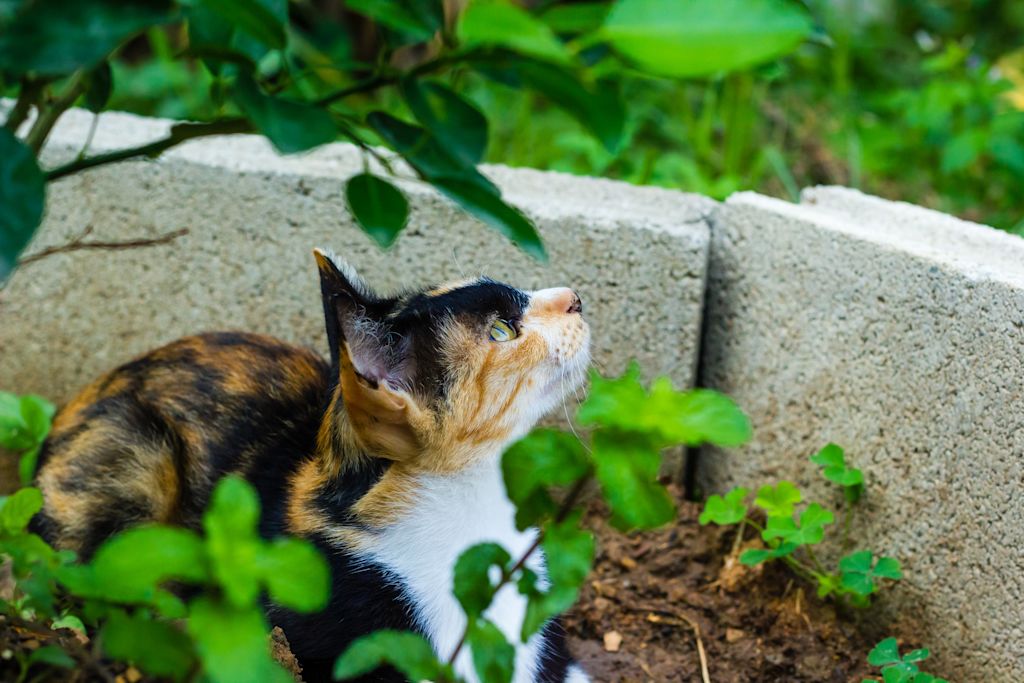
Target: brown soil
point(650, 594)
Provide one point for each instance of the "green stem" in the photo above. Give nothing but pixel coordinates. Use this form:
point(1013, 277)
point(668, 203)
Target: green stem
point(506, 576)
point(179, 133)
point(814, 559)
point(796, 565)
point(27, 98)
point(48, 116)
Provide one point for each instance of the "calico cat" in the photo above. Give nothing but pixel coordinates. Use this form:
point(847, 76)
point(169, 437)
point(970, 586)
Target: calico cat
point(387, 458)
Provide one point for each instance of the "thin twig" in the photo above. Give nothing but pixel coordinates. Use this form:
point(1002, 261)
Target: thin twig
point(506, 576)
point(179, 133)
point(79, 244)
point(692, 623)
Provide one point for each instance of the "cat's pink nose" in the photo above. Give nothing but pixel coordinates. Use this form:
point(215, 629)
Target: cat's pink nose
point(558, 300)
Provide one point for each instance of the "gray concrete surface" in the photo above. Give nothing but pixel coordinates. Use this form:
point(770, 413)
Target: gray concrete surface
point(636, 255)
point(898, 333)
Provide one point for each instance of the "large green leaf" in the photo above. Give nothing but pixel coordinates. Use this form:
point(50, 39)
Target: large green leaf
point(408, 652)
point(542, 459)
point(418, 19)
point(264, 20)
point(379, 207)
point(689, 38)
point(59, 36)
point(19, 508)
point(156, 647)
point(456, 123)
point(296, 574)
point(290, 126)
point(132, 565)
point(503, 24)
point(493, 656)
point(233, 643)
point(569, 551)
point(627, 466)
point(473, 587)
point(490, 209)
point(231, 539)
point(22, 191)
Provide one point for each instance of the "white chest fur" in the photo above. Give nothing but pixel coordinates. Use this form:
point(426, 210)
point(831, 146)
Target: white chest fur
point(451, 514)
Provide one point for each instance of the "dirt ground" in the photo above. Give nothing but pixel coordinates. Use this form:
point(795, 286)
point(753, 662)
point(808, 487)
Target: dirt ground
point(637, 617)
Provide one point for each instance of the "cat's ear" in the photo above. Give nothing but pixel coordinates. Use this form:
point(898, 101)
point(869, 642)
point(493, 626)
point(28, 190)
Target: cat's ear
point(347, 301)
point(388, 422)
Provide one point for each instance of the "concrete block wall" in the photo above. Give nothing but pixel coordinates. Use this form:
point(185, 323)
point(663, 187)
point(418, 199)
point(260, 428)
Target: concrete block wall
point(897, 333)
point(894, 331)
point(635, 255)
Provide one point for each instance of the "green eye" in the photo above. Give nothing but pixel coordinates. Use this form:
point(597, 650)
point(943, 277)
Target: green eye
point(501, 331)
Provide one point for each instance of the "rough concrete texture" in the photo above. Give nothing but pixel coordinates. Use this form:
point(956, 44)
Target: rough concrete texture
point(898, 333)
point(637, 256)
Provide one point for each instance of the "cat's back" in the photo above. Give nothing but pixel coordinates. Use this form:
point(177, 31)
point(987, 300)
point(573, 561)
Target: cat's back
point(148, 440)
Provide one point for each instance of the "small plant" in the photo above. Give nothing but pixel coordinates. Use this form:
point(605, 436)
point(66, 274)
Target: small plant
point(899, 669)
point(790, 535)
point(24, 424)
point(631, 426)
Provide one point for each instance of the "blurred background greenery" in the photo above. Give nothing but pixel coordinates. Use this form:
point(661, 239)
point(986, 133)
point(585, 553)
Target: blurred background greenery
point(915, 100)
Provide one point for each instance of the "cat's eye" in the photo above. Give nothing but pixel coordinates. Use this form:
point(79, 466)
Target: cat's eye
point(501, 331)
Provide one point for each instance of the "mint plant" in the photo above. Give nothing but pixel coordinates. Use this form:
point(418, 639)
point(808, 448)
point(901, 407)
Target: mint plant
point(898, 668)
point(545, 474)
point(24, 424)
point(790, 534)
point(122, 594)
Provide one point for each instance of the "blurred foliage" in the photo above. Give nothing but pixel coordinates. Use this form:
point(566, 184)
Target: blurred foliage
point(917, 100)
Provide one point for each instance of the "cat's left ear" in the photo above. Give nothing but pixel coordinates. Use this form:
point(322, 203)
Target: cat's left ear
point(347, 300)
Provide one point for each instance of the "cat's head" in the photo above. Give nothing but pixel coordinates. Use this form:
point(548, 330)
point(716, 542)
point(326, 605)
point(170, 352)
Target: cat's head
point(448, 373)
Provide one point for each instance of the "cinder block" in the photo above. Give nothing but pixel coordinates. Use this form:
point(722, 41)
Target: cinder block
point(898, 333)
point(636, 255)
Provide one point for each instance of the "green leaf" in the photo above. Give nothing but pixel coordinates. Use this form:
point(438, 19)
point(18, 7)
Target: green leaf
point(627, 468)
point(456, 123)
point(419, 19)
point(37, 413)
point(232, 541)
point(296, 574)
point(478, 201)
point(69, 621)
point(53, 656)
point(829, 456)
point(499, 23)
point(690, 417)
point(379, 207)
point(101, 84)
point(27, 465)
point(758, 555)
point(858, 571)
point(233, 643)
point(704, 37)
point(290, 126)
point(263, 20)
point(963, 150)
point(725, 511)
point(597, 106)
point(423, 152)
point(59, 36)
point(833, 461)
point(22, 191)
point(811, 529)
point(493, 656)
point(885, 652)
point(544, 458)
point(408, 652)
point(569, 551)
point(19, 508)
point(156, 647)
point(778, 501)
point(918, 655)
point(473, 587)
point(578, 17)
point(132, 565)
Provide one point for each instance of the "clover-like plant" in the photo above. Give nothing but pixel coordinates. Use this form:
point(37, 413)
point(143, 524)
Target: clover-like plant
point(898, 668)
point(790, 533)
